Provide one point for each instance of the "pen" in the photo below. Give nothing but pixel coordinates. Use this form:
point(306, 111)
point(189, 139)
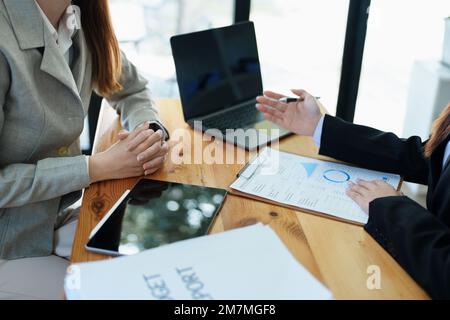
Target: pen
point(243, 169)
point(288, 100)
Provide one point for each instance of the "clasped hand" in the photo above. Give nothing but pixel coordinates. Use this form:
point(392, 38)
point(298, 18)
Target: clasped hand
point(137, 153)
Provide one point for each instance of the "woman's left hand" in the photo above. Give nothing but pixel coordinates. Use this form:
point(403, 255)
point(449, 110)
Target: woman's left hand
point(363, 192)
point(149, 147)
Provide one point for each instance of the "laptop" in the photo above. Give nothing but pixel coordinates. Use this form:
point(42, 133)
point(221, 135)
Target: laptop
point(219, 78)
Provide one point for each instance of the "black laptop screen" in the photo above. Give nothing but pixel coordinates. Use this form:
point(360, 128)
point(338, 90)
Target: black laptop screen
point(217, 68)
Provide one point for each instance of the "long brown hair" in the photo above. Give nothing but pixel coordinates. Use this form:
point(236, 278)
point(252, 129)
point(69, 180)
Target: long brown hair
point(103, 45)
point(439, 132)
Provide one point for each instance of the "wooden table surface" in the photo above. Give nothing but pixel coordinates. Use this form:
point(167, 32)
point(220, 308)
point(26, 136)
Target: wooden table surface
point(337, 253)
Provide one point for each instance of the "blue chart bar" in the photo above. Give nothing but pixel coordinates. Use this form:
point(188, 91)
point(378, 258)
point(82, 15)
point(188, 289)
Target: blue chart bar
point(336, 176)
point(309, 167)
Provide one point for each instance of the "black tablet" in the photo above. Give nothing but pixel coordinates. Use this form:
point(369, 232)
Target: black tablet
point(154, 213)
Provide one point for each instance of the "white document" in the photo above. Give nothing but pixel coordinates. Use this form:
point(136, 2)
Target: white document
point(307, 183)
point(246, 263)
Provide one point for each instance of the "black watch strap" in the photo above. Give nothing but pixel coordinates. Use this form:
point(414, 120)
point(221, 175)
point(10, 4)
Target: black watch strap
point(155, 126)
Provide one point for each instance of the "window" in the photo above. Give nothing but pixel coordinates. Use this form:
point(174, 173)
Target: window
point(300, 45)
point(399, 33)
point(144, 28)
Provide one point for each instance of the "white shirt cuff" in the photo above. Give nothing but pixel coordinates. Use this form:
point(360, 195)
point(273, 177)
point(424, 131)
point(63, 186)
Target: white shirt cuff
point(87, 164)
point(317, 136)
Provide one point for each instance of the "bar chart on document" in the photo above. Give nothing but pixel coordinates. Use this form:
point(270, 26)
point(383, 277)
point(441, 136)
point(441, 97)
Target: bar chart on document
point(307, 183)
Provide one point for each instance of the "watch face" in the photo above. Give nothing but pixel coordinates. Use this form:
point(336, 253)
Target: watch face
point(155, 127)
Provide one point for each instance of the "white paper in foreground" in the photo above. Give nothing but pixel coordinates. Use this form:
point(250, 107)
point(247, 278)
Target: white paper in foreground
point(245, 263)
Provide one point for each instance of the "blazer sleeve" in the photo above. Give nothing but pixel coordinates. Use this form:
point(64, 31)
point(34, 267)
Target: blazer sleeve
point(374, 149)
point(133, 102)
point(416, 239)
point(22, 183)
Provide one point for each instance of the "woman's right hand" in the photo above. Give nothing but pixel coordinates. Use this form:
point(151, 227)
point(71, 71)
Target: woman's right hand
point(300, 117)
point(119, 162)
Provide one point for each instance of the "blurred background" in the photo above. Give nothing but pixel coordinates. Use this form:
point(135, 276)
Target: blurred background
point(377, 62)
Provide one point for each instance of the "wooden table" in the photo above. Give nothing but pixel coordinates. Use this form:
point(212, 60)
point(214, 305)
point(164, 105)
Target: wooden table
point(337, 253)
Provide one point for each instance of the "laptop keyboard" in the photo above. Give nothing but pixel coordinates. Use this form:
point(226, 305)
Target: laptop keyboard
point(234, 119)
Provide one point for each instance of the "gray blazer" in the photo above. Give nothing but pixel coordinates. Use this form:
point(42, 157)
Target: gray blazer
point(43, 103)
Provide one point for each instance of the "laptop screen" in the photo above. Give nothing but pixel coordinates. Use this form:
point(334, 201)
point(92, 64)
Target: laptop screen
point(217, 68)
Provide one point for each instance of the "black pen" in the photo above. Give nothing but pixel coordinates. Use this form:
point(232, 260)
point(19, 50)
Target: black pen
point(288, 100)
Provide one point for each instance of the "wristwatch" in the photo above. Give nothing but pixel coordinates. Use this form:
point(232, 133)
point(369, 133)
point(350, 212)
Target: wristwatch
point(155, 126)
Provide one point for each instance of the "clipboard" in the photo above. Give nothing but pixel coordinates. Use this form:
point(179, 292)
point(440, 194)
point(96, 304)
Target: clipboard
point(251, 168)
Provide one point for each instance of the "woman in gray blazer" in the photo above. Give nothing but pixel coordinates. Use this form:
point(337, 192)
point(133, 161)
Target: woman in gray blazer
point(52, 56)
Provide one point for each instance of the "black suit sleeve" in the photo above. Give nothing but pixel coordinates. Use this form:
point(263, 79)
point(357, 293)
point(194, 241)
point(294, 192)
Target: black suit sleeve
point(374, 149)
point(416, 239)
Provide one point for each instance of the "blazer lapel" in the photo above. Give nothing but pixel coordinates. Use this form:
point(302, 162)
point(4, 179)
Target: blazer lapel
point(436, 168)
point(438, 156)
point(54, 64)
point(445, 171)
point(31, 33)
point(80, 59)
point(26, 22)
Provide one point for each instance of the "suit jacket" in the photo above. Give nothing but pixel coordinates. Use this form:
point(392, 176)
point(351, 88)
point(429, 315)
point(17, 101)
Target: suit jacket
point(43, 103)
point(418, 238)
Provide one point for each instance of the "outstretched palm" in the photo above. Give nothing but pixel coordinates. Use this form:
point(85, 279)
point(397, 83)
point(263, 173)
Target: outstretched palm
point(299, 117)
